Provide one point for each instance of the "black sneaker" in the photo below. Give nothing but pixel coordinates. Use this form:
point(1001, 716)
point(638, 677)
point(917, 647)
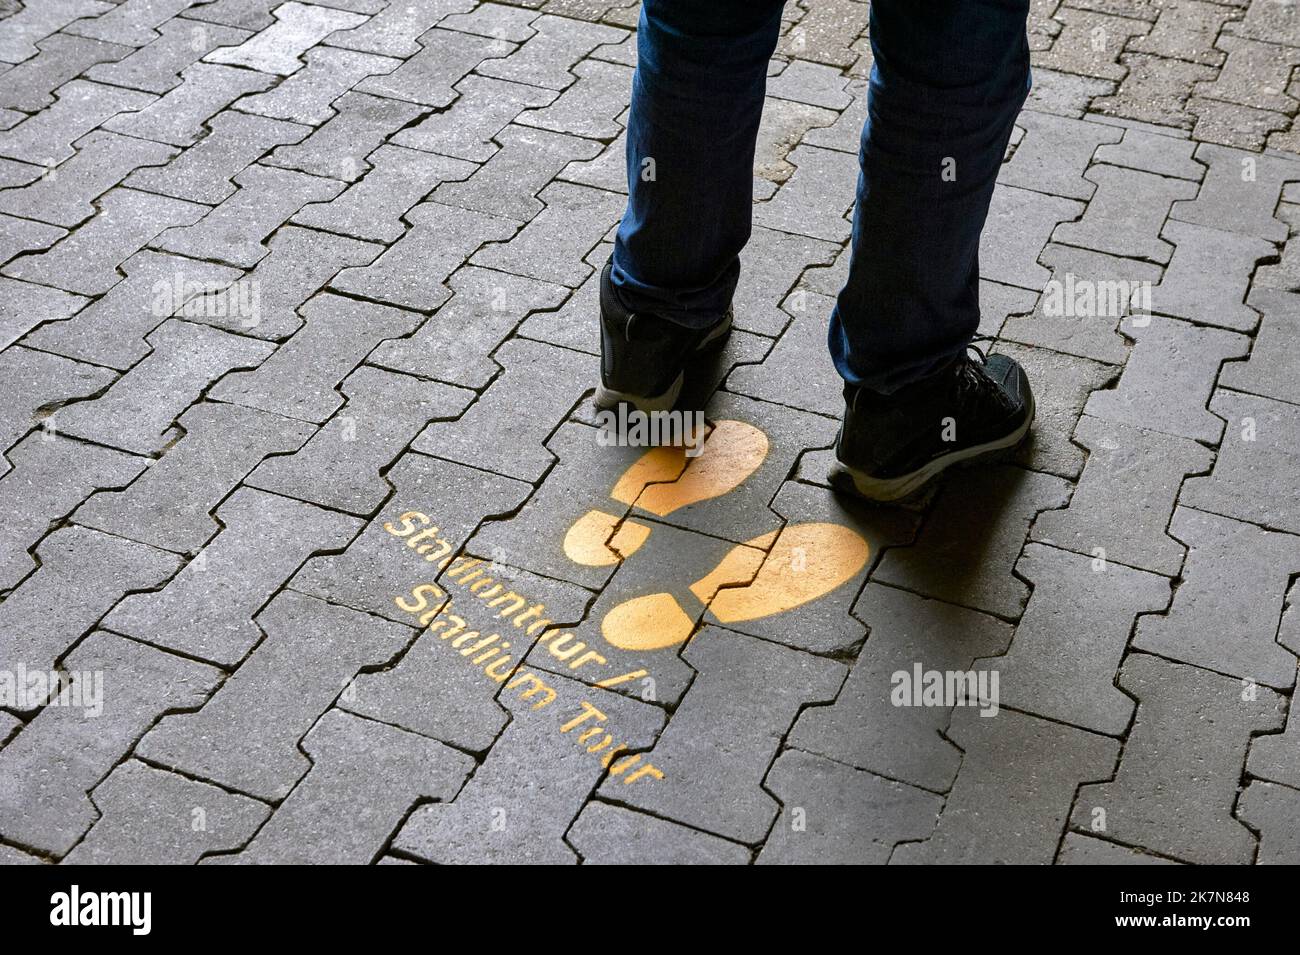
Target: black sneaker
point(643, 357)
point(891, 445)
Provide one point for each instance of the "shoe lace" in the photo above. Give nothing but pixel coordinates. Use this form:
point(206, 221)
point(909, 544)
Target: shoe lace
point(974, 381)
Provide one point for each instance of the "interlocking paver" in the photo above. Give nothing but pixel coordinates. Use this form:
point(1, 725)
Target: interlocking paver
point(23, 235)
point(1154, 149)
point(546, 59)
point(46, 138)
point(1271, 810)
point(1240, 192)
point(1168, 378)
point(1179, 774)
point(1071, 680)
point(307, 95)
point(170, 505)
point(1104, 519)
point(50, 476)
point(770, 267)
point(814, 200)
point(1125, 215)
point(360, 770)
point(974, 531)
point(1268, 371)
point(82, 574)
point(340, 466)
point(1054, 154)
point(153, 817)
point(1090, 43)
point(826, 31)
point(207, 610)
point(1255, 74)
point(394, 30)
point(132, 22)
point(339, 147)
point(156, 68)
point(411, 272)
point(832, 814)
point(495, 818)
point(605, 834)
point(863, 727)
point(182, 115)
point(483, 108)
point(279, 48)
point(36, 21)
point(30, 85)
point(1207, 278)
point(1077, 849)
point(590, 106)
point(311, 651)
point(815, 84)
point(1275, 756)
point(1018, 226)
point(136, 684)
point(428, 77)
point(1186, 30)
point(1230, 630)
point(1065, 94)
point(1012, 796)
point(803, 345)
point(31, 381)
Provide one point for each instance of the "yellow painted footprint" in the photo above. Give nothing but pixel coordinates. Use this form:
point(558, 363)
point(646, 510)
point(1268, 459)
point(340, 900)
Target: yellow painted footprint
point(767, 575)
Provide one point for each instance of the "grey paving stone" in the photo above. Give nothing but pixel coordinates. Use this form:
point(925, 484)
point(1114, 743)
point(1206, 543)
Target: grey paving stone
point(496, 20)
point(1251, 480)
point(156, 68)
point(1090, 43)
point(507, 185)
point(138, 412)
point(363, 771)
point(1153, 150)
point(300, 380)
point(181, 117)
point(298, 264)
point(802, 345)
point(30, 85)
point(1276, 757)
point(340, 467)
point(411, 272)
point(66, 196)
point(86, 261)
point(816, 553)
point(152, 817)
point(245, 14)
point(1271, 810)
point(170, 505)
point(132, 22)
point(1168, 378)
point(835, 815)
point(338, 149)
point(12, 856)
point(456, 344)
point(605, 834)
point(374, 207)
point(1241, 127)
point(50, 810)
point(432, 692)
point(436, 505)
point(235, 232)
point(1176, 782)
point(279, 48)
point(82, 574)
point(1106, 519)
point(428, 77)
point(50, 476)
point(1082, 303)
point(537, 386)
point(25, 305)
point(1054, 154)
point(591, 106)
point(814, 200)
point(863, 727)
point(1186, 30)
point(1078, 849)
point(1071, 681)
point(783, 127)
point(35, 22)
point(716, 750)
point(483, 108)
point(771, 266)
point(207, 610)
point(1018, 226)
point(551, 246)
point(570, 325)
point(46, 138)
point(204, 173)
point(970, 540)
point(1268, 21)
point(1269, 371)
point(246, 736)
point(307, 95)
point(1125, 215)
point(31, 381)
point(813, 83)
point(1207, 278)
point(23, 235)
point(1012, 796)
point(607, 171)
point(1255, 74)
point(13, 174)
point(112, 330)
point(548, 57)
point(533, 783)
point(1230, 629)
point(826, 31)
point(394, 30)
point(845, 131)
point(1065, 94)
point(1283, 274)
point(1240, 191)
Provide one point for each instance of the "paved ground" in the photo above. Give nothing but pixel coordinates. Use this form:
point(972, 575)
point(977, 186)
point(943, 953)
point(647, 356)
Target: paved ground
point(303, 506)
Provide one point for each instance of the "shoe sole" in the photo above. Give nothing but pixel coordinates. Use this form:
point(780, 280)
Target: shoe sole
point(609, 397)
point(895, 489)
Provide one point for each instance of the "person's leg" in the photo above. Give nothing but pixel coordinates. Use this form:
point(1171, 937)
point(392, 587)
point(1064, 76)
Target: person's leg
point(948, 80)
point(697, 98)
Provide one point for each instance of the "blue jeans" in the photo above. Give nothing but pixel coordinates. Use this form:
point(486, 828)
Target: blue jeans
point(949, 78)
